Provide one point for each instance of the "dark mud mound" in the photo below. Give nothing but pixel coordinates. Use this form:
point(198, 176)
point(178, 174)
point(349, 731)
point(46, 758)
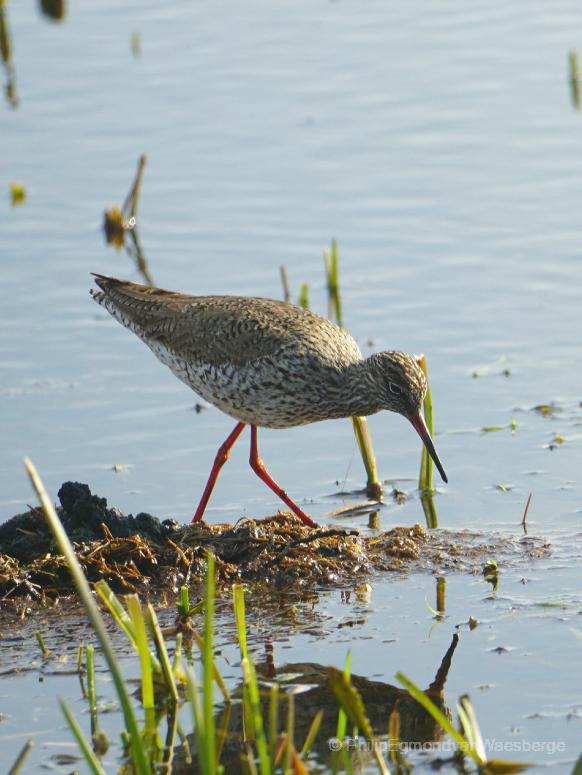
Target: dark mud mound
point(133, 553)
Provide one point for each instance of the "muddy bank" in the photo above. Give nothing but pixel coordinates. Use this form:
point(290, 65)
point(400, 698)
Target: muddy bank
point(137, 553)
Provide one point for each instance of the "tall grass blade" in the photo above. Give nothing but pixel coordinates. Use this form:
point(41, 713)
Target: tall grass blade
point(122, 618)
point(84, 592)
point(290, 735)
point(143, 650)
point(208, 664)
point(273, 722)
point(350, 700)
point(471, 727)
point(88, 754)
point(331, 264)
point(222, 731)
point(166, 667)
point(340, 732)
point(238, 599)
point(216, 673)
point(312, 733)
point(250, 680)
point(91, 695)
point(205, 758)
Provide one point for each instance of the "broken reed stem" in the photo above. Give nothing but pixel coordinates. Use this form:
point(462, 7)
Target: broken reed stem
point(425, 479)
point(524, 518)
point(285, 284)
point(21, 758)
point(132, 197)
point(574, 78)
point(441, 586)
point(360, 424)
point(362, 434)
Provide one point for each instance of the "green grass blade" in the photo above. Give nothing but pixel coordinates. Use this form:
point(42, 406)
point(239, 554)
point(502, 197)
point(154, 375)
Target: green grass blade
point(312, 733)
point(166, 667)
point(331, 265)
point(205, 758)
point(290, 735)
point(84, 592)
point(177, 661)
point(208, 662)
point(273, 722)
point(88, 754)
point(41, 643)
point(184, 603)
point(285, 284)
point(143, 650)
point(342, 718)
point(238, 598)
point(91, 694)
point(250, 680)
point(216, 672)
point(350, 700)
point(304, 296)
point(116, 608)
point(470, 726)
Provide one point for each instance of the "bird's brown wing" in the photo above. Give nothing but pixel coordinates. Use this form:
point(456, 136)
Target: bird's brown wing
point(220, 329)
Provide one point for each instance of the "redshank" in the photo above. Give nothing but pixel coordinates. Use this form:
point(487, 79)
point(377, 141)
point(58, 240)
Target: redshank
point(266, 363)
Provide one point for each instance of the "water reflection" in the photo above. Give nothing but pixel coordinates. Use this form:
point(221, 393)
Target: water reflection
point(306, 686)
point(54, 9)
point(119, 224)
point(6, 53)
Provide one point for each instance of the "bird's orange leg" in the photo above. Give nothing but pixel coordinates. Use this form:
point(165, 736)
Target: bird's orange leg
point(219, 461)
point(259, 468)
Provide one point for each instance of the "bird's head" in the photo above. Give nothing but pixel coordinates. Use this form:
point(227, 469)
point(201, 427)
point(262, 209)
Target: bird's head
point(402, 388)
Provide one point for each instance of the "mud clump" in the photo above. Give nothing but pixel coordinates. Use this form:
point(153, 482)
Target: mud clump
point(141, 553)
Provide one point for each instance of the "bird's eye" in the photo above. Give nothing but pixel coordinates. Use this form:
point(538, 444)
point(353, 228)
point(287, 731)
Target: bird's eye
point(395, 389)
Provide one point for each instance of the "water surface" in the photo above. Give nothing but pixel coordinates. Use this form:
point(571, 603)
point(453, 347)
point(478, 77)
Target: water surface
point(440, 147)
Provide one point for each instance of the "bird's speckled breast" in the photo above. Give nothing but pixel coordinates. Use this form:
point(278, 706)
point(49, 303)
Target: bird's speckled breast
point(261, 392)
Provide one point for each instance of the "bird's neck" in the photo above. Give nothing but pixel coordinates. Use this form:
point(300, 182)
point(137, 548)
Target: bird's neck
point(360, 389)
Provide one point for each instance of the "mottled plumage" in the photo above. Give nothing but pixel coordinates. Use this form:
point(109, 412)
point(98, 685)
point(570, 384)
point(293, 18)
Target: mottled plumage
point(264, 362)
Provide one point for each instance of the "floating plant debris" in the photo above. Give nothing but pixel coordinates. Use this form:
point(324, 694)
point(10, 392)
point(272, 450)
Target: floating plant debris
point(143, 553)
point(17, 193)
point(547, 410)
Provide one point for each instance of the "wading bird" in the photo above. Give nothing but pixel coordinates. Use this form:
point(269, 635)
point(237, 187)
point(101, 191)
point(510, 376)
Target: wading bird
point(267, 364)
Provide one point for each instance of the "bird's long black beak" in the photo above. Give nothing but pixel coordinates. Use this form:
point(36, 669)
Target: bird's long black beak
point(419, 424)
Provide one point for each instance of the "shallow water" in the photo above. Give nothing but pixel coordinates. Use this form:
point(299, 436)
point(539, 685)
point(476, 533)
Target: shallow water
point(440, 147)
